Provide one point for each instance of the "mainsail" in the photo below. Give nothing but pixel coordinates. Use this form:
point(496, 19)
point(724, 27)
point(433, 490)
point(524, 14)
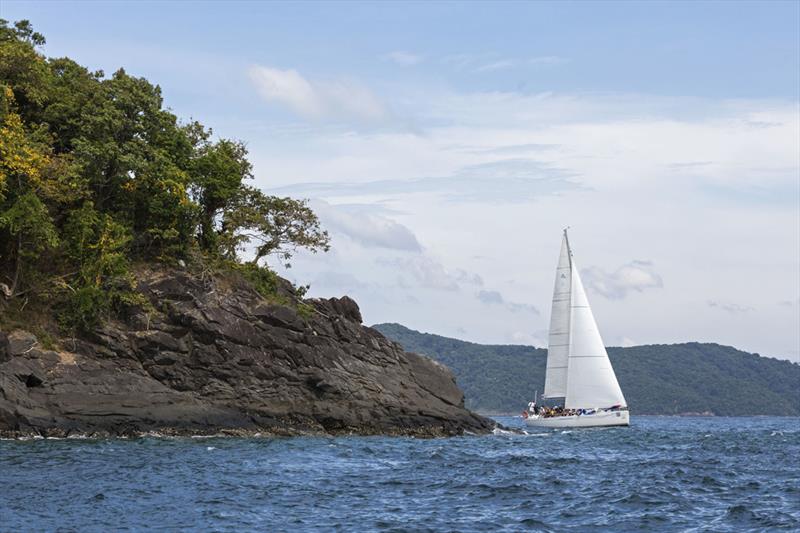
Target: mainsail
point(555, 381)
point(578, 367)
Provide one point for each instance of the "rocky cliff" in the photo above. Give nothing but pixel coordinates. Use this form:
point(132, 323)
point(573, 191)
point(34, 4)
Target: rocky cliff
point(213, 356)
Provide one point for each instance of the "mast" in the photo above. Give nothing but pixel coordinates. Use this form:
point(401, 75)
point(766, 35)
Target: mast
point(555, 382)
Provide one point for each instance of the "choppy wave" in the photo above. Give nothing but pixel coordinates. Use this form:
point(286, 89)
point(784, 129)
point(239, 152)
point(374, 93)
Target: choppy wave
point(734, 474)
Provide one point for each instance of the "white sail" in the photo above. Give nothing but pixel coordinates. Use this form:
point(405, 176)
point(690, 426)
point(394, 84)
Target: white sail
point(591, 380)
point(555, 381)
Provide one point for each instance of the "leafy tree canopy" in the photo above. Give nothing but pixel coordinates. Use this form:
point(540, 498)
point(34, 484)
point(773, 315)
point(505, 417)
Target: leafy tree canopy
point(95, 175)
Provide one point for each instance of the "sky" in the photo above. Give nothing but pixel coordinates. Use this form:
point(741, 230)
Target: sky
point(445, 146)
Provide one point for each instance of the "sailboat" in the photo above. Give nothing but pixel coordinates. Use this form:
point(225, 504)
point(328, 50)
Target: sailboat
point(578, 368)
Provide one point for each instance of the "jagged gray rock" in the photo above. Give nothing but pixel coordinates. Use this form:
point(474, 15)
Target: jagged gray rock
point(214, 356)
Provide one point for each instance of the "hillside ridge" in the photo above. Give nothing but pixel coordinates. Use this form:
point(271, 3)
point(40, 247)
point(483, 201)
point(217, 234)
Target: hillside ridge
point(659, 379)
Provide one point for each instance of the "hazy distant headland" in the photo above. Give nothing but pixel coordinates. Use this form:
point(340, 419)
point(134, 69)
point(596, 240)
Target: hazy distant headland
point(662, 379)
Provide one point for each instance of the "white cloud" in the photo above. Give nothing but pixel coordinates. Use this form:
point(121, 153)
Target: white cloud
point(425, 271)
point(403, 58)
point(523, 308)
point(502, 64)
point(529, 339)
point(468, 278)
point(625, 342)
point(634, 276)
point(522, 180)
point(495, 298)
point(494, 176)
point(480, 63)
point(338, 280)
point(338, 99)
point(730, 307)
point(546, 60)
point(369, 229)
point(490, 297)
point(287, 87)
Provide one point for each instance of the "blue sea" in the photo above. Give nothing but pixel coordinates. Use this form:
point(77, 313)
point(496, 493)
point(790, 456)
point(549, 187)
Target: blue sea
point(662, 473)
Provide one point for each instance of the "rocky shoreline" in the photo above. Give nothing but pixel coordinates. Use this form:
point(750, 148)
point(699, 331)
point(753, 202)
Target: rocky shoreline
point(212, 357)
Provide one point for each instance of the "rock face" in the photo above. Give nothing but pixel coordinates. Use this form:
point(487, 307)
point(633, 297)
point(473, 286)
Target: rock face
point(213, 356)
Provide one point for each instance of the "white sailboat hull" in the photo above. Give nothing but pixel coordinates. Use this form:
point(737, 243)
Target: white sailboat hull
point(594, 420)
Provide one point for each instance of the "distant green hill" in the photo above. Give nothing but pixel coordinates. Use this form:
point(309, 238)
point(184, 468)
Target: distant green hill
point(656, 379)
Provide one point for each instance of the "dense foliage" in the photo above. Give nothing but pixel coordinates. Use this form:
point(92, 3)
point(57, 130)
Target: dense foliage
point(95, 175)
point(656, 379)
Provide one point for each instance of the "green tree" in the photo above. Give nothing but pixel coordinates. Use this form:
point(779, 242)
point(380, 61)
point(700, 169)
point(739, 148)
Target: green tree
point(272, 225)
point(217, 176)
point(26, 226)
point(95, 174)
point(97, 245)
point(22, 68)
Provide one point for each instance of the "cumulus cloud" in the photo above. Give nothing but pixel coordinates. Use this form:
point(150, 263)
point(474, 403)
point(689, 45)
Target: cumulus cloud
point(338, 99)
point(403, 58)
point(616, 154)
point(490, 297)
point(524, 308)
point(425, 271)
point(529, 338)
point(522, 180)
point(468, 278)
point(496, 65)
point(495, 298)
point(730, 307)
point(368, 229)
point(512, 149)
point(480, 63)
point(547, 60)
point(420, 270)
point(635, 276)
point(338, 280)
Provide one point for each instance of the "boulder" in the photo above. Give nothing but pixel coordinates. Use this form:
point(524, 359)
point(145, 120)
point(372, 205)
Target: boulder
point(19, 342)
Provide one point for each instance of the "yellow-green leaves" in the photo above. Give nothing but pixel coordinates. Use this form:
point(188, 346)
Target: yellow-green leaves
point(20, 159)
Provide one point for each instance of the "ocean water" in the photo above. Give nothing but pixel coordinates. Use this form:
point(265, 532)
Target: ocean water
point(675, 474)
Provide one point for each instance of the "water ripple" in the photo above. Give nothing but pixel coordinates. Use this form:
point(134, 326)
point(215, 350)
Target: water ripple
point(722, 474)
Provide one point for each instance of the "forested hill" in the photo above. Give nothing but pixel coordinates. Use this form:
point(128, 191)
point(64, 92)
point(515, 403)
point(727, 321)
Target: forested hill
point(656, 379)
